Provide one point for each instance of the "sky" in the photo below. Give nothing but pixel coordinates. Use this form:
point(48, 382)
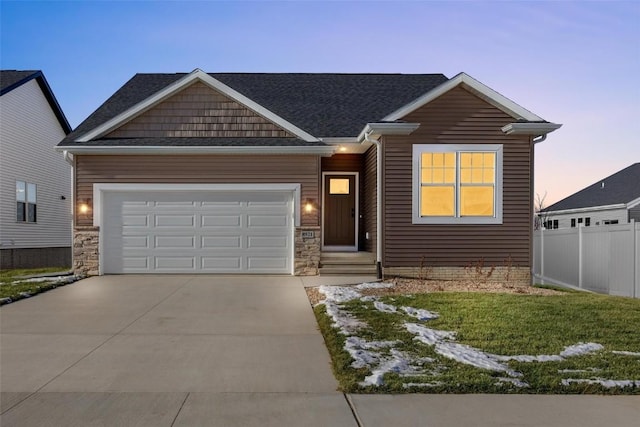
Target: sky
point(574, 63)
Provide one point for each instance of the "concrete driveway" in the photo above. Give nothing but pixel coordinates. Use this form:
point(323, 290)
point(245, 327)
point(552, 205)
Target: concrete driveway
point(167, 351)
point(219, 351)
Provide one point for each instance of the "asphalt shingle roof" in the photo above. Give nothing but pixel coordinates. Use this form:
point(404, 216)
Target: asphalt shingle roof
point(621, 187)
point(11, 79)
point(324, 105)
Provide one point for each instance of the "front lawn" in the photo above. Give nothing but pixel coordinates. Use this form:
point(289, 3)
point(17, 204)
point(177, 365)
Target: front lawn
point(464, 342)
point(14, 285)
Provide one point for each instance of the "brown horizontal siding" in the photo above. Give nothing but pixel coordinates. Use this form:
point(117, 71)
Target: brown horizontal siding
point(370, 201)
point(199, 170)
point(457, 117)
point(198, 111)
point(351, 163)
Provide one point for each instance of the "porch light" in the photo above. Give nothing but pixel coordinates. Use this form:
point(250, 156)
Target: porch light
point(309, 205)
point(83, 206)
point(342, 149)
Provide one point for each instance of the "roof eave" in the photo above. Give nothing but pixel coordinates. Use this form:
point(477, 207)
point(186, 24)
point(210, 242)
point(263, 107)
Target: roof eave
point(529, 128)
point(585, 209)
point(377, 129)
point(165, 150)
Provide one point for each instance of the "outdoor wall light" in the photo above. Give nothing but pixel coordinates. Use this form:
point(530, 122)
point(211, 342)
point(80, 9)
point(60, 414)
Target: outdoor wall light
point(342, 148)
point(84, 206)
point(309, 205)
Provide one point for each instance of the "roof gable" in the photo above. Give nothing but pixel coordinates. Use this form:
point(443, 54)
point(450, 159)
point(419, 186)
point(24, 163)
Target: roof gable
point(621, 188)
point(324, 105)
point(198, 111)
point(13, 79)
point(474, 86)
point(178, 85)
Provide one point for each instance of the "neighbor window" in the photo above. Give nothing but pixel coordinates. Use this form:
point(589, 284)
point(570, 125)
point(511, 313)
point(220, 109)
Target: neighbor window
point(457, 184)
point(25, 202)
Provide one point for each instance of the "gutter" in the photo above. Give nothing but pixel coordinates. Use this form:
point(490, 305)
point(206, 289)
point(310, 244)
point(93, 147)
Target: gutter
point(133, 150)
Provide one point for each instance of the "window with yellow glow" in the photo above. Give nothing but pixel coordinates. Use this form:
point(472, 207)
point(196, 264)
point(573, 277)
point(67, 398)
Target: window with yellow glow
point(338, 186)
point(457, 182)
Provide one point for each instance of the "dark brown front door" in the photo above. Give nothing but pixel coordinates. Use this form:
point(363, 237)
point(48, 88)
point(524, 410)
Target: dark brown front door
point(340, 210)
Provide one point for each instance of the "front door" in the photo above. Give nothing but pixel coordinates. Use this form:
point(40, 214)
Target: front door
point(340, 211)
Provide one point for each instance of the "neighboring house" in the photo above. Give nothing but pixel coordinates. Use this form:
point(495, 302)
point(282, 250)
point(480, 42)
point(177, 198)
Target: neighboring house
point(269, 173)
point(35, 181)
point(612, 200)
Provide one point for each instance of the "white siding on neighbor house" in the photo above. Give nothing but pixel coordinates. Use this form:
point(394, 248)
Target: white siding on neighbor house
point(29, 131)
point(599, 216)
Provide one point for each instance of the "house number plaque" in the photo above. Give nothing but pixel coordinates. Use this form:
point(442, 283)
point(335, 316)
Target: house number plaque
point(308, 234)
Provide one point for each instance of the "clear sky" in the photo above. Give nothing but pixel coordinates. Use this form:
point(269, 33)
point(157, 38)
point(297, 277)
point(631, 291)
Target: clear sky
point(575, 63)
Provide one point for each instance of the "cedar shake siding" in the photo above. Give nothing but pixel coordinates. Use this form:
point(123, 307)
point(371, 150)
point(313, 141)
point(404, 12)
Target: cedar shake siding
point(183, 169)
point(457, 117)
point(199, 111)
point(351, 163)
point(370, 200)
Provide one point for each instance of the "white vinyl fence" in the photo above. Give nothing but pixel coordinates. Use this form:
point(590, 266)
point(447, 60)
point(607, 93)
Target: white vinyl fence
point(603, 259)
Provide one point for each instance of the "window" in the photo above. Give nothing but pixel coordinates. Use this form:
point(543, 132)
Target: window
point(25, 202)
point(587, 222)
point(457, 184)
point(339, 186)
point(555, 224)
point(573, 222)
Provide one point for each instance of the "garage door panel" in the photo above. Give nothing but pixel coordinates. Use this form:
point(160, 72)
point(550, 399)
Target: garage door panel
point(267, 242)
point(163, 220)
point(266, 263)
point(222, 264)
point(221, 221)
point(174, 242)
point(209, 242)
point(139, 263)
point(140, 220)
point(175, 263)
point(141, 242)
point(191, 232)
point(267, 220)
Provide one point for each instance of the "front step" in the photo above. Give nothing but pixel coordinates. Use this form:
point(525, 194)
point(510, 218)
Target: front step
point(347, 263)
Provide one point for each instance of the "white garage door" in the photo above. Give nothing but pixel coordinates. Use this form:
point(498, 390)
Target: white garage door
point(197, 232)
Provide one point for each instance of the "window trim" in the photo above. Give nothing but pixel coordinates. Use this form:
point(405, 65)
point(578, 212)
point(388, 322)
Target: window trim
point(26, 202)
point(418, 149)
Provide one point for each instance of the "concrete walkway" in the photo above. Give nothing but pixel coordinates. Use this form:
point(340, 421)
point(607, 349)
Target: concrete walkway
point(214, 350)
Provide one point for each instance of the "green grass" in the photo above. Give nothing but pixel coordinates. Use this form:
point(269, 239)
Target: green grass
point(502, 324)
point(11, 291)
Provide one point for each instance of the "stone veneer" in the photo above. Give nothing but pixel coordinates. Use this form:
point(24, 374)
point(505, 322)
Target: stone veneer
point(515, 275)
point(85, 251)
point(306, 252)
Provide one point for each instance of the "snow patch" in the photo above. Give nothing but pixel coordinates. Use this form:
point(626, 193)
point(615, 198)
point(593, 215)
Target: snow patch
point(603, 382)
point(374, 285)
point(420, 314)
point(513, 381)
point(434, 384)
point(398, 362)
point(344, 321)
point(385, 308)
point(626, 353)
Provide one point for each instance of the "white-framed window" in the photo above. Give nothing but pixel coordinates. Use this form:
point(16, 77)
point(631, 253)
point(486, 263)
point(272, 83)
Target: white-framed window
point(457, 184)
point(26, 202)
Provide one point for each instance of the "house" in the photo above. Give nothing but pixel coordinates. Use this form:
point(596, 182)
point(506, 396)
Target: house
point(35, 182)
point(612, 200)
point(269, 173)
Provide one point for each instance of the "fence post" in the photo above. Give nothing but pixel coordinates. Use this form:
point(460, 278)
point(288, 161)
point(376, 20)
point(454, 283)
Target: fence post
point(542, 252)
point(580, 256)
point(636, 261)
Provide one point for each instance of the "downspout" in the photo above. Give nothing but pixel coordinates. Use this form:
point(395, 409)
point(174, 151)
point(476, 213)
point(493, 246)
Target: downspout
point(378, 145)
point(535, 141)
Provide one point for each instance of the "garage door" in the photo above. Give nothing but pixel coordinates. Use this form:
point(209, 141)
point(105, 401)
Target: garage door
point(197, 232)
